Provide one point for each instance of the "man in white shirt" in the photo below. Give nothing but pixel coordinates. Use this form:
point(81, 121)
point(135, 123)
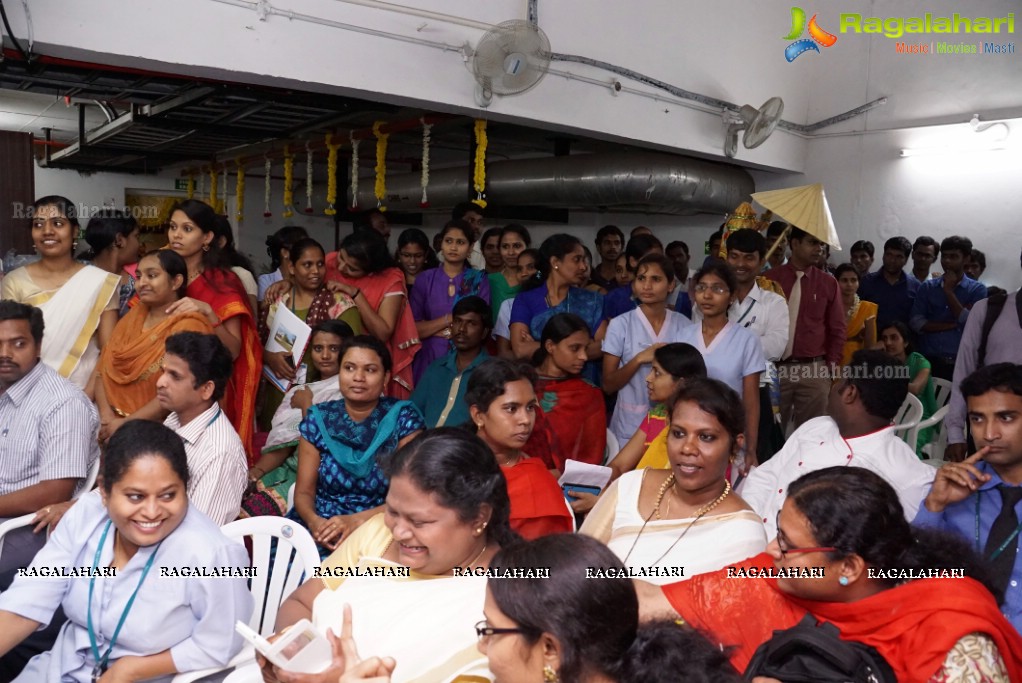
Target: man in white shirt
point(196, 369)
point(858, 432)
point(765, 314)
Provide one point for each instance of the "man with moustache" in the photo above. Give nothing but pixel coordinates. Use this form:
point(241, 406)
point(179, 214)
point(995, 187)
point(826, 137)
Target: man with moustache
point(981, 497)
point(48, 430)
point(440, 393)
point(890, 288)
point(609, 243)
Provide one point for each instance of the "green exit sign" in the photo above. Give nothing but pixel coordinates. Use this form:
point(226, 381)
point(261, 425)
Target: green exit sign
point(181, 184)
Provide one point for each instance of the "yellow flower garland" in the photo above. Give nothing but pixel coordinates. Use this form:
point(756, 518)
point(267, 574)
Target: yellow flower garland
point(191, 185)
point(479, 173)
point(381, 164)
point(212, 188)
point(289, 179)
point(240, 191)
point(331, 175)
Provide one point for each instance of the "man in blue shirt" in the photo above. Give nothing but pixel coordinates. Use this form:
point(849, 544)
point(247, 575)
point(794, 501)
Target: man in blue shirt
point(890, 288)
point(981, 498)
point(942, 306)
point(439, 395)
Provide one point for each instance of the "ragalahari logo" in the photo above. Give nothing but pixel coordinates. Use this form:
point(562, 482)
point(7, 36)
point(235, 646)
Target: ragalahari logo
point(817, 36)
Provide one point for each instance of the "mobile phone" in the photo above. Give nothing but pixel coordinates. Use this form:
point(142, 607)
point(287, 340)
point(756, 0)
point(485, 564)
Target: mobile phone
point(595, 490)
point(303, 649)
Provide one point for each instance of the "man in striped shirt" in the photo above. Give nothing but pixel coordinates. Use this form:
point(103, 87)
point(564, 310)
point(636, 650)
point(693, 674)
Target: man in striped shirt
point(196, 369)
point(48, 431)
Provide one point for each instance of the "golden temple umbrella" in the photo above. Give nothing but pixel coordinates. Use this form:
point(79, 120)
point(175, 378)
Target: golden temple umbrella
point(804, 207)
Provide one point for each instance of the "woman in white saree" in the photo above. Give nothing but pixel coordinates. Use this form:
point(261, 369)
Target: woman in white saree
point(446, 516)
point(673, 524)
point(78, 301)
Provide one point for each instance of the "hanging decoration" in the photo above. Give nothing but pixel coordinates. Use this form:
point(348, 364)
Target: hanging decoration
point(240, 192)
point(424, 181)
point(289, 182)
point(308, 177)
point(213, 194)
point(354, 171)
point(331, 175)
point(266, 188)
point(479, 173)
point(191, 185)
point(202, 183)
point(381, 164)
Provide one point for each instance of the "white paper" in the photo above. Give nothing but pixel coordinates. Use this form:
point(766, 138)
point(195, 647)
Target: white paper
point(584, 474)
point(290, 334)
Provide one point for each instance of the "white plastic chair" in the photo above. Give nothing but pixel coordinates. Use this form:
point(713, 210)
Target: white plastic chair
point(612, 449)
point(285, 577)
point(938, 441)
point(24, 520)
point(941, 391)
point(907, 419)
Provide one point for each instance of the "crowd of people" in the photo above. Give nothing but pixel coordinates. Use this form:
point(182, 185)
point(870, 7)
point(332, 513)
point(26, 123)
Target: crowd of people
point(741, 412)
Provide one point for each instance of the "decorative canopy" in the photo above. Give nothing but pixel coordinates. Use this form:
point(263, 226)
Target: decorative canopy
point(804, 207)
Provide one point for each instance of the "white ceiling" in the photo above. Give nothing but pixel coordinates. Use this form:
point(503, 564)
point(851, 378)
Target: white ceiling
point(27, 112)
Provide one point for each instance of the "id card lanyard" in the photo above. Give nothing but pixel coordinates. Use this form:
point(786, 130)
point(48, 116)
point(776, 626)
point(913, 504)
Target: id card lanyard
point(1011, 537)
point(102, 660)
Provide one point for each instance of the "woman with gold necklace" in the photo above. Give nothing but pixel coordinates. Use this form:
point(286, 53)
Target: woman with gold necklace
point(686, 516)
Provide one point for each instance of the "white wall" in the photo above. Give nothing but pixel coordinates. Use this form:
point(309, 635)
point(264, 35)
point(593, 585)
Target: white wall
point(731, 49)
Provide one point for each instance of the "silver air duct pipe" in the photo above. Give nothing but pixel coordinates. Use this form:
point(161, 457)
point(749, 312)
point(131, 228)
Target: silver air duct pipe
point(641, 182)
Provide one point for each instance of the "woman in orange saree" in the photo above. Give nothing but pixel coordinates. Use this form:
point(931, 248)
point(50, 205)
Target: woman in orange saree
point(847, 523)
point(131, 360)
point(217, 293)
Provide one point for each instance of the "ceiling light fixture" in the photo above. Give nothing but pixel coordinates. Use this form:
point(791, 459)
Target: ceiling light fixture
point(990, 136)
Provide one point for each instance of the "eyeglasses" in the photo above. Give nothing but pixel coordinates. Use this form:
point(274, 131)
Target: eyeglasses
point(716, 289)
point(484, 631)
point(785, 551)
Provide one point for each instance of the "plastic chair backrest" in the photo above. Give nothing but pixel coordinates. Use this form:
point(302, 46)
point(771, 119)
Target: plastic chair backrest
point(280, 567)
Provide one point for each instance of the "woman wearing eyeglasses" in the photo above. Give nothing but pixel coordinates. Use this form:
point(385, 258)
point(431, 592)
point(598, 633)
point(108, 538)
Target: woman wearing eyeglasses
point(732, 353)
point(445, 517)
point(847, 523)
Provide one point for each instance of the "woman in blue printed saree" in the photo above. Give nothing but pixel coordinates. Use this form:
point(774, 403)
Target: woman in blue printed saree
point(340, 484)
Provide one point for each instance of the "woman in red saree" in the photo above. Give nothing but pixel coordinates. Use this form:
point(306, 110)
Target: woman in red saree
point(214, 291)
point(502, 406)
point(848, 522)
point(574, 407)
point(364, 270)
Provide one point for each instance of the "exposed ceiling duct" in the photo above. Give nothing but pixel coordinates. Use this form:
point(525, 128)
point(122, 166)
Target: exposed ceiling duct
point(644, 182)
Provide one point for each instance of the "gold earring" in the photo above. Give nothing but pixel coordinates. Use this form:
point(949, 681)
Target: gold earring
point(205, 247)
point(549, 675)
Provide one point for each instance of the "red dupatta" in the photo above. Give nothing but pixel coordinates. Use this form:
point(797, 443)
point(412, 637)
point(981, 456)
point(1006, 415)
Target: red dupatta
point(223, 291)
point(913, 625)
point(404, 342)
point(538, 507)
point(578, 416)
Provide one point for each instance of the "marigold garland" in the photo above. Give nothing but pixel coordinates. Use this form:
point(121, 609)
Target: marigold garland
point(381, 164)
point(354, 170)
point(240, 190)
point(213, 194)
point(424, 181)
point(222, 203)
point(331, 175)
point(191, 186)
point(266, 188)
point(308, 177)
point(479, 173)
point(289, 181)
